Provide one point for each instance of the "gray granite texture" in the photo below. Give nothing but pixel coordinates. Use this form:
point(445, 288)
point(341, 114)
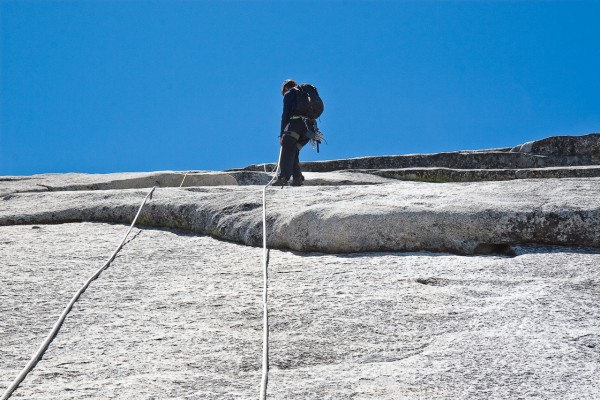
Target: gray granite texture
point(555, 151)
point(571, 146)
point(463, 218)
point(127, 180)
point(441, 175)
point(466, 275)
point(178, 316)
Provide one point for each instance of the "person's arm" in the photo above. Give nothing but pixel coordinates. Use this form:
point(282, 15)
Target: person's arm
point(289, 105)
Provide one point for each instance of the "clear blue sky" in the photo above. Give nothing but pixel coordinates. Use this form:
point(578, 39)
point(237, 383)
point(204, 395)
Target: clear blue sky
point(107, 86)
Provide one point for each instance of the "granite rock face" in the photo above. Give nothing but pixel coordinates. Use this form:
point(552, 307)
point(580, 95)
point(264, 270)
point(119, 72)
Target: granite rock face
point(350, 210)
point(368, 305)
point(178, 316)
point(462, 218)
point(440, 175)
point(127, 180)
point(557, 151)
point(559, 146)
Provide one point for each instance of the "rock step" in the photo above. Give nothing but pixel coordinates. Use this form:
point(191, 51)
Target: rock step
point(477, 175)
point(557, 151)
point(82, 182)
point(585, 145)
point(128, 180)
point(457, 160)
point(463, 218)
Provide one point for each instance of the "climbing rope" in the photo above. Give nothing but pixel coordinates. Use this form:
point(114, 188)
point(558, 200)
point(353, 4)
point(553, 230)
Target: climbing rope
point(38, 355)
point(183, 180)
point(265, 354)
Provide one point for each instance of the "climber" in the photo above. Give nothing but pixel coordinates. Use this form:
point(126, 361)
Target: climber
point(292, 137)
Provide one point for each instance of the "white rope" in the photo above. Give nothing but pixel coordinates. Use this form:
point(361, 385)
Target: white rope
point(270, 172)
point(36, 357)
point(183, 180)
point(57, 325)
point(265, 354)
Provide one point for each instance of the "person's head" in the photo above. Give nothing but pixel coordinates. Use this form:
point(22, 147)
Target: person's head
point(287, 85)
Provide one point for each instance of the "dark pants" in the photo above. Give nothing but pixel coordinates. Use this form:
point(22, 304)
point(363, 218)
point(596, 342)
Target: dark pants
point(290, 162)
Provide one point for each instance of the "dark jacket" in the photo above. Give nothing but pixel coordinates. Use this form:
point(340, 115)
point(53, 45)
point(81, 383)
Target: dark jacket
point(289, 108)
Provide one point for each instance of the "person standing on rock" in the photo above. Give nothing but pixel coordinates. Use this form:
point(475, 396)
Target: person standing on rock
point(292, 137)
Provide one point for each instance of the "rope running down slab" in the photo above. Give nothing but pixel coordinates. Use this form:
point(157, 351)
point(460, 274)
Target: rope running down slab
point(265, 357)
point(38, 355)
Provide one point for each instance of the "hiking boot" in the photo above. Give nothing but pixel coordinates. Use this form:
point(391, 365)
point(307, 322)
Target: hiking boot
point(297, 182)
point(299, 177)
point(281, 181)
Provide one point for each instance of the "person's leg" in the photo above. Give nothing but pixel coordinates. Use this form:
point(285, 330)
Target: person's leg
point(296, 165)
point(289, 155)
point(296, 171)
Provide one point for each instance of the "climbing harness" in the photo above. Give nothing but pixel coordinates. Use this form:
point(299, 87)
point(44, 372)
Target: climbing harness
point(38, 354)
point(265, 356)
point(313, 133)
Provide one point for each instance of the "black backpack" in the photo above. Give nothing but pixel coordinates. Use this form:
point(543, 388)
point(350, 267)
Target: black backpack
point(309, 103)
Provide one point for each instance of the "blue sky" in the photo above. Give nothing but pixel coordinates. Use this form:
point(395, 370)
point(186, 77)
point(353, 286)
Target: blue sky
point(108, 86)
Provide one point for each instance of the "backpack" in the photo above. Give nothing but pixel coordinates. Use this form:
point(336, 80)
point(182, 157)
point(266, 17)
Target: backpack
point(309, 103)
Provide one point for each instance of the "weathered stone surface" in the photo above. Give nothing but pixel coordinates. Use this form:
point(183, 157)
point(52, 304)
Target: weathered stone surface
point(128, 180)
point(477, 175)
point(551, 152)
point(179, 316)
point(400, 216)
point(577, 146)
point(458, 160)
point(342, 178)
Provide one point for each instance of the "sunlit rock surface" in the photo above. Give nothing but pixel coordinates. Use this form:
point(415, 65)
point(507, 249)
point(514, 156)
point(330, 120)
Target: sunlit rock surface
point(462, 218)
point(179, 316)
point(556, 151)
point(377, 300)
